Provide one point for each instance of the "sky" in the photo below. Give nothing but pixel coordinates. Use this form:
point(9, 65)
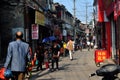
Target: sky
point(80, 8)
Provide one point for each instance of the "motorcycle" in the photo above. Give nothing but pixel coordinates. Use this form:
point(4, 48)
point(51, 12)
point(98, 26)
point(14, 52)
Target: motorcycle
point(108, 72)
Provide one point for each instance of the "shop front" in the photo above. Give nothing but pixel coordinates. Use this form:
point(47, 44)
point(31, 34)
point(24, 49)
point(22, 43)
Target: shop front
point(105, 23)
point(117, 25)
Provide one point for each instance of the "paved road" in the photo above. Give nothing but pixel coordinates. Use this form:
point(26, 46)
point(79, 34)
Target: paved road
point(78, 69)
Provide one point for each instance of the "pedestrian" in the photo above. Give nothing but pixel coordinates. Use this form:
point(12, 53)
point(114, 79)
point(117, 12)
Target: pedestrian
point(65, 46)
point(40, 56)
point(88, 45)
point(50, 54)
point(55, 55)
point(81, 45)
point(46, 59)
point(70, 47)
point(17, 57)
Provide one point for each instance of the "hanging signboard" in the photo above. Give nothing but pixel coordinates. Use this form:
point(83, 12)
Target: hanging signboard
point(35, 34)
point(39, 18)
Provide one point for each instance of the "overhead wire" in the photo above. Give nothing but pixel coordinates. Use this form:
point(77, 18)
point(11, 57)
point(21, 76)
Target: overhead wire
point(85, 5)
point(80, 8)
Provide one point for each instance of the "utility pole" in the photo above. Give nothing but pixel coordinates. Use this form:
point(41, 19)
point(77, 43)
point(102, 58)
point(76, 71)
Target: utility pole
point(74, 10)
point(26, 20)
point(86, 12)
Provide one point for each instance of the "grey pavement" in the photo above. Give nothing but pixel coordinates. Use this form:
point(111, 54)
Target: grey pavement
point(79, 68)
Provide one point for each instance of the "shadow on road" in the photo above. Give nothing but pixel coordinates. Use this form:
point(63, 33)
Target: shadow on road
point(38, 74)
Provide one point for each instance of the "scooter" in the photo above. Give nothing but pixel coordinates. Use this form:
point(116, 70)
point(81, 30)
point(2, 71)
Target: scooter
point(108, 72)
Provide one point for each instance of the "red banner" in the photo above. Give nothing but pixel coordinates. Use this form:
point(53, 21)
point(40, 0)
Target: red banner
point(100, 11)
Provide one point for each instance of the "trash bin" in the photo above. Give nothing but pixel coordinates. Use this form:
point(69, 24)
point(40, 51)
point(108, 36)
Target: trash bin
point(100, 56)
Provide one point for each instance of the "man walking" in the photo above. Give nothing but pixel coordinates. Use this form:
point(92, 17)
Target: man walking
point(55, 55)
point(70, 47)
point(17, 57)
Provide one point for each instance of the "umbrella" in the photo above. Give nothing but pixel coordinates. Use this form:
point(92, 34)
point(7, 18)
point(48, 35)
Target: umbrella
point(52, 38)
point(45, 40)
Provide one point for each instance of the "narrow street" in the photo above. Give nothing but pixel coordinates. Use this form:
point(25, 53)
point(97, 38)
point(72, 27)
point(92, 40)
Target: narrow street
point(88, 23)
point(78, 69)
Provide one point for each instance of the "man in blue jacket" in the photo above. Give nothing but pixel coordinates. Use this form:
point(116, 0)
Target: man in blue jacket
point(17, 57)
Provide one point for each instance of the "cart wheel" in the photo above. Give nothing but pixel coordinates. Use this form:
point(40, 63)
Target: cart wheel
point(98, 64)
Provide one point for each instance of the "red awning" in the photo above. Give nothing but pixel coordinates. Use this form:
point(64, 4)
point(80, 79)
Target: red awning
point(100, 11)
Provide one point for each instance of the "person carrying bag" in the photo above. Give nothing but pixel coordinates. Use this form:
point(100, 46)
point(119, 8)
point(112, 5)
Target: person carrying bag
point(18, 55)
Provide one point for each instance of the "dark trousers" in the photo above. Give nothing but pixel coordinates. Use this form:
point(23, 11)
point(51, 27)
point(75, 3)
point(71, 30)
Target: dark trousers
point(55, 60)
point(40, 65)
point(18, 75)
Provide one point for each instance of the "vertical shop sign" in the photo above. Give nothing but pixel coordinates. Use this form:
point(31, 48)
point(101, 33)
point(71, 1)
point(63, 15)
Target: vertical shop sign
point(34, 31)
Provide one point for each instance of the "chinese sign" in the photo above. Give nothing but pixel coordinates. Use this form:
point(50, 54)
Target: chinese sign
point(34, 31)
point(100, 55)
point(39, 18)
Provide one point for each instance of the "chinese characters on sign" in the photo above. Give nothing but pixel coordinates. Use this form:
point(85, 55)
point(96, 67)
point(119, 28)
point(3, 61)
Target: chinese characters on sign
point(39, 18)
point(34, 31)
point(100, 55)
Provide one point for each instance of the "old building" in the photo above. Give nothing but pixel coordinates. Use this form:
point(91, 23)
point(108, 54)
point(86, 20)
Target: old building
point(27, 16)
